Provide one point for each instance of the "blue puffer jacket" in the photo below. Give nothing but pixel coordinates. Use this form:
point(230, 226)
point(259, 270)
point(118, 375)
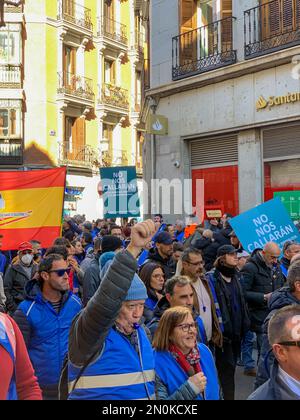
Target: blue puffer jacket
point(46, 334)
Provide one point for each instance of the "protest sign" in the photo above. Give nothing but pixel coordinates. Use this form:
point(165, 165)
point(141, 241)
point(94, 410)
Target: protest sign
point(269, 222)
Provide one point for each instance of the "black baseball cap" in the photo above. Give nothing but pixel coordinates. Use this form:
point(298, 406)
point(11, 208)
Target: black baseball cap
point(164, 238)
point(226, 249)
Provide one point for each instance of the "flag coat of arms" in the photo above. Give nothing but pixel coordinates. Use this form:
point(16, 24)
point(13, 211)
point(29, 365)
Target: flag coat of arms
point(31, 206)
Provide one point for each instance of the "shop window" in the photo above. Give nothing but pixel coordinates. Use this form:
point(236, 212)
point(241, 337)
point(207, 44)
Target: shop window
point(220, 187)
point(281, 176)
point(10, 119)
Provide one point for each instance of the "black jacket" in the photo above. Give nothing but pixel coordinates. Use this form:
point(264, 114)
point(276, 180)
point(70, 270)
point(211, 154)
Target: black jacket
point(15, 280)
point(223, 238)
point(209, 250)
point(168, 265)
point(91, 280)
point(280, 299)
point(160, 308)
point(274, 389)
point(259, 280)
point(228, 317)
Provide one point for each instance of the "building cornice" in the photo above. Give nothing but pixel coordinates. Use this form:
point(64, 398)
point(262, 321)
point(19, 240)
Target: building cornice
point(227, 73)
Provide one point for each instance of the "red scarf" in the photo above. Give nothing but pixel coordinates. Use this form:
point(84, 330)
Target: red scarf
point(189, 363)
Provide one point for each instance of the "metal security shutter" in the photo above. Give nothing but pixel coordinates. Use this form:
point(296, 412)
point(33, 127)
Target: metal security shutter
point(281, 142)
point(214, 151)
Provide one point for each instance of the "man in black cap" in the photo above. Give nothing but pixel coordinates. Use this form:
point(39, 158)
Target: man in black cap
point(162, 254)
point(234, 313)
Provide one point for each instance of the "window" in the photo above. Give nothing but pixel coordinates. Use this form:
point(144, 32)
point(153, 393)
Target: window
point(10, 119)
point(107, 137)
point(69, 65)
point(10, 44)
point(109, 72)
point(138, 90)
point(74, 138)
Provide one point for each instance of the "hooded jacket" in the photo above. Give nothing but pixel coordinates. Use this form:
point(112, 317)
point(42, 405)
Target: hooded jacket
point(46, 334)
point(14, 282)
point(279, 299)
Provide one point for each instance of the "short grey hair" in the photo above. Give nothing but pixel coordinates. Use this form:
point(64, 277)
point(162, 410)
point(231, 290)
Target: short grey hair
point(293, 275)
point(277, 330)
point(188, 251)
point(180, 281)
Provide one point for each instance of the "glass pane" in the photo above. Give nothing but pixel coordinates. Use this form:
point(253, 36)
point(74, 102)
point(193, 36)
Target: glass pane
point(3, 122)
point(3, 48)
point(14, 48)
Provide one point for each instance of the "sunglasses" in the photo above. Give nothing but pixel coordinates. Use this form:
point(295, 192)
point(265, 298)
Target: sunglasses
point(290, 343)
point(61, 272)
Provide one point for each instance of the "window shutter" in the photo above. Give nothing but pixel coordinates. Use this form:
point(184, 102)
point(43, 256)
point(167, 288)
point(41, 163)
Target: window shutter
point(226, 29)
point(214, 151)
point(281, 142)
point(188, 22)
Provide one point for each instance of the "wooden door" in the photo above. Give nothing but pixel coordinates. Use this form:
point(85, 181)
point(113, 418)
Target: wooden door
point(188, 38)
point(75, 138)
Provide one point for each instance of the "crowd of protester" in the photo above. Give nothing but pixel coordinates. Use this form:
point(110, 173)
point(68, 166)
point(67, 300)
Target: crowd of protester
point(148, 311)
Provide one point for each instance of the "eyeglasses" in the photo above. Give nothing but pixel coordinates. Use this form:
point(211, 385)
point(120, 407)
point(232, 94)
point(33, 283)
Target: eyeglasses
point(158, 276)
point(187, 327)
point(61, 272)
point(290, 343)
point(195, 264)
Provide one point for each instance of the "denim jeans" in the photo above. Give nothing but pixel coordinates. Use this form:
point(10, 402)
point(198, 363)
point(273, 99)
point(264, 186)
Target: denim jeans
point(247, 351)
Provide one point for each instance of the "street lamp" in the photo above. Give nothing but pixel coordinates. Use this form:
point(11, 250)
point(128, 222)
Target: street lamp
point(9, 3)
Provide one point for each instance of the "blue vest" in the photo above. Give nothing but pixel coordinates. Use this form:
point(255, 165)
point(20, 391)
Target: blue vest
point(151, 303)
point(173, 376)
point(118, 373)
point(201, 330)
point(8, 342)
point(49, 338)
point(2, 262)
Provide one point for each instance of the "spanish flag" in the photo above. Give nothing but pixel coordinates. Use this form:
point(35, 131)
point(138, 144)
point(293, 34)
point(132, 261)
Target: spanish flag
point(31, 206)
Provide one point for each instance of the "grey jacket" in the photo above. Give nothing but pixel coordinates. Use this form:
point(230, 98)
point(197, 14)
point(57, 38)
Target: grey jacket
point(2, 295)
point(91, 327)
point(185, 392)
point(15, 280)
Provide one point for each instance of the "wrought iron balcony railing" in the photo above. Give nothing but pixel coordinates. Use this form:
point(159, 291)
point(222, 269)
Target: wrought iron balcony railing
point(11, 152)
point(271, 27)
point(13, 8)
point(75, 13)
point(79, 86)
point(111, 29)
point(10, 75)
point(139, 41)
point(79, 155)
point(115, 96)
point(203, 49)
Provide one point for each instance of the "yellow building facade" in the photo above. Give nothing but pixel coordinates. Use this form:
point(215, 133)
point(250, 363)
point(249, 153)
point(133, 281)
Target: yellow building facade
point(71, 85)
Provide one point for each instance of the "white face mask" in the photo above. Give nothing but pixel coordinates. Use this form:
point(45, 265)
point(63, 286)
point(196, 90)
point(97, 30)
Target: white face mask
point(27, 259)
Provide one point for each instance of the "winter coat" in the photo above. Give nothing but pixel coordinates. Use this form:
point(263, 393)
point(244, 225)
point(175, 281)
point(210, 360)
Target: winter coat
point(15, 280)
point(226, 309)
point(91, 280)
point(46, 334)
point(222, 237)
point(168, 265)
point(279, 299)
point(274, 389)
point(259, 280)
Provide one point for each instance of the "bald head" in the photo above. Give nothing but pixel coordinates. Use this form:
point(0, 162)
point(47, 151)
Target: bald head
point(208, 234)
point(271, 253)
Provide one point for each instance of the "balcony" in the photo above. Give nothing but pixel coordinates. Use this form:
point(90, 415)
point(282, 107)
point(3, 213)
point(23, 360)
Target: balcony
point(115, 98)
point(75, 16)
point(14, 8)
point(83, 156)
point(115, 157)
point(203, 49)
point(75, 88)
point(10, 76)
point(113, 31)
point(11, 152)
point(271, 27)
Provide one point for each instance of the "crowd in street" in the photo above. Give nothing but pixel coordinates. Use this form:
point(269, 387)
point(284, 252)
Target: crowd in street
point(148, 311)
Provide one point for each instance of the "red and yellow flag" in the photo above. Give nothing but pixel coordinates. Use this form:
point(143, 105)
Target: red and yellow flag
point(31, 205)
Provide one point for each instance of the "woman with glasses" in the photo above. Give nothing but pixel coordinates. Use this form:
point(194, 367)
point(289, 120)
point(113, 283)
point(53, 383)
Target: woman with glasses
point(185, 369)
point(153, 276)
